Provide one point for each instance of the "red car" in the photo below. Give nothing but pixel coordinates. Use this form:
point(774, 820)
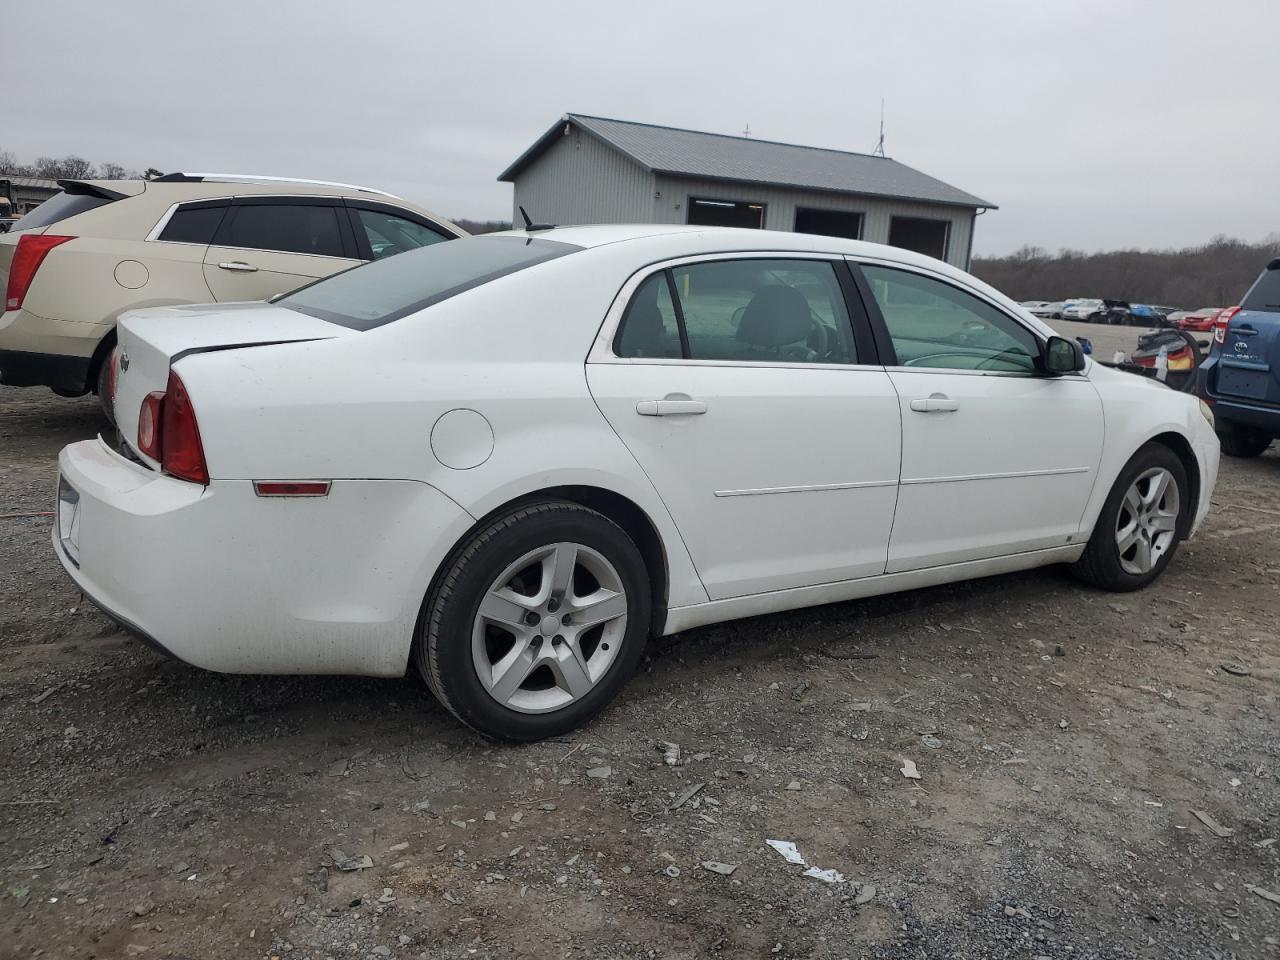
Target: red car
point(1199, 320)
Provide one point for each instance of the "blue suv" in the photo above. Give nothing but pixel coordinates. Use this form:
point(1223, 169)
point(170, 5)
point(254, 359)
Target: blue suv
point(1241, 377)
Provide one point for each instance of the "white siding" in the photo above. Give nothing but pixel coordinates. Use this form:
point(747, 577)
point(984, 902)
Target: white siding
point(579, 180)
point(672, 205)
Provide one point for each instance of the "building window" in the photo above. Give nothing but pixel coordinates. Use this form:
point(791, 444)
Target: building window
point(829, 223)
point(726, 213)
point(921, 235)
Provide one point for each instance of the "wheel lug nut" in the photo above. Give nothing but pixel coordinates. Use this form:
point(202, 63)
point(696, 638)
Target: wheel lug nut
point(566, 620)
point(553, 604)
point(531, 618)
point(557, 640)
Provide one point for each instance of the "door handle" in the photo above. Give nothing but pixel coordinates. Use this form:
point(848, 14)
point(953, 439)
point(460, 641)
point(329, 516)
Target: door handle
point(238, 266)
point(935, 403)
point(1245, 330)
point(670, 408)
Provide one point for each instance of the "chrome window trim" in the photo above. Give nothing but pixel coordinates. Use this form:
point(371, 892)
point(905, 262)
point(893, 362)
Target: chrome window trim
point(154, 235)
point(259, 178)
point(602, 349)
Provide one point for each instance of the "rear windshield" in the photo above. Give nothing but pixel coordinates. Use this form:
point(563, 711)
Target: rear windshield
point(1265, 293)
point(386, 290)
point(59, 207)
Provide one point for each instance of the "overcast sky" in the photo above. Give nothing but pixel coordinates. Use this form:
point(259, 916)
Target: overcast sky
point(1093, 124)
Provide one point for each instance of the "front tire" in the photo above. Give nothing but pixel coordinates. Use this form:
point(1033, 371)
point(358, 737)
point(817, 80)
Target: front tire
point(536, 623)
point(1141, 523)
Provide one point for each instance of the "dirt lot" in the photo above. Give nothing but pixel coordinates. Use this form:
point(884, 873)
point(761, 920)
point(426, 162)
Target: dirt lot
point(1063, 738)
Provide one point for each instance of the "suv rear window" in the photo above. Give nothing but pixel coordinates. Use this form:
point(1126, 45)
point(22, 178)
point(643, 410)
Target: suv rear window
point(60, 206)
point(1265, 292)
point(386, 290)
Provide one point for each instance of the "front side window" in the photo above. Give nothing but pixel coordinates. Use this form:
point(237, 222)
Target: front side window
point(935, 325)
point(754, 311)
point(389, 234)
point(286, 228)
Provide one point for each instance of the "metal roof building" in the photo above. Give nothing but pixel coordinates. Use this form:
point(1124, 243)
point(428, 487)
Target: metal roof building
point(21, 195)
point(595, 170)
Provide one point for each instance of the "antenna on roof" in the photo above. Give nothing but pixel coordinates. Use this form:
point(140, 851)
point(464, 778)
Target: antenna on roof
point(747, 131)
point(879, 150)
point(530, 226)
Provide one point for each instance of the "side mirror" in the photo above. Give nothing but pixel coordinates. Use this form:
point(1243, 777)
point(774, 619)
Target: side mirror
point(1062, 356)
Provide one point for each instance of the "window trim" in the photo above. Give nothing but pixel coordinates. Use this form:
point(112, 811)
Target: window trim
point(163, 222)
point(885, 342)
point(345, 233)
point(603, 349)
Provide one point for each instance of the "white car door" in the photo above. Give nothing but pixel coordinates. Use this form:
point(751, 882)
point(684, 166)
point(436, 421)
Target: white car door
point(735, 383)
point(997, 458)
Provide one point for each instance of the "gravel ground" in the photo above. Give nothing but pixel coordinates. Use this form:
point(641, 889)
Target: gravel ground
point(1063, 739)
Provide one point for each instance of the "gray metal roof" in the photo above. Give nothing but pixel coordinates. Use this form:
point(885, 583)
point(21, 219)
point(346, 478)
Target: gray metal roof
point(38, 183)
point(692, 153)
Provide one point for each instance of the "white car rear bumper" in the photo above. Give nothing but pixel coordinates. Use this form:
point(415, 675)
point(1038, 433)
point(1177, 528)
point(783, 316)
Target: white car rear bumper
point(229, 581)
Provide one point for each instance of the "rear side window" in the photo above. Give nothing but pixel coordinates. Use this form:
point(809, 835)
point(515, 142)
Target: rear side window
point(1263, 295)
point(193, 224)
point(287, 228)
point(388, 234)
point(61, 206)
point(748, 311)
point(386, 290)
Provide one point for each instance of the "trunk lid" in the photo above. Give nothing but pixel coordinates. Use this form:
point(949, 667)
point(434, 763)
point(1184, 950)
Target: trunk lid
point(151, 341)
point(1249, 358)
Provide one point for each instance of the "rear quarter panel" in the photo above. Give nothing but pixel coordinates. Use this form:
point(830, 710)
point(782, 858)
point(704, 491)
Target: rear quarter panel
point(513, 351)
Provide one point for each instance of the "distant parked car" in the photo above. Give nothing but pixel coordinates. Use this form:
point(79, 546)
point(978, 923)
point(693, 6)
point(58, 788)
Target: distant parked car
point(1199, 320)
point(1049, 311)
point(1090, 311)
point(6, 223)
point(1241, 378)
point(1120, 313)
point(1032, 304)
point(100, 247)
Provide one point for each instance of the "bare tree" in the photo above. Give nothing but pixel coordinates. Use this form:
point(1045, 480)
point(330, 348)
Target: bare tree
point(113, 171)
point(64, 168)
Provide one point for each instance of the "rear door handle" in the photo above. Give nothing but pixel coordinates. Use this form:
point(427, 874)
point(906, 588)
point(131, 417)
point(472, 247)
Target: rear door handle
point(239, 266)
point(670, 408)
point(1245, 331)
point(935, 403)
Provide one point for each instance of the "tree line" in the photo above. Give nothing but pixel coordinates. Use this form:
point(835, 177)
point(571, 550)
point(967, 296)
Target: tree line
point(1216, 274)
point(69, 167)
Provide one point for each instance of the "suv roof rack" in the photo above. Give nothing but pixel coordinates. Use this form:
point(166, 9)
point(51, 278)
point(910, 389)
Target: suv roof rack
point(256, 178)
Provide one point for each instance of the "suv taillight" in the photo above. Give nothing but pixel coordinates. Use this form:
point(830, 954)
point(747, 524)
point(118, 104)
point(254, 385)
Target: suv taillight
point(1220, 323)
point(27, 258)
point(168, 432)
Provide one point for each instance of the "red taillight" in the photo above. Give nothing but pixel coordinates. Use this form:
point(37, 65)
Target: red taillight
point(1220, 324)
point(182, 453)
point(168, 432)
point(27, 258)
point(149, 425)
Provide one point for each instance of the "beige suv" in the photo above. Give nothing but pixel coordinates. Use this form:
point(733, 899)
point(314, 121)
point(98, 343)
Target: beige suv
point(71, 266)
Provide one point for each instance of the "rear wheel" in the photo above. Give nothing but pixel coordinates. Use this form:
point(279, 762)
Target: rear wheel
point(1141, 523)
point(1242, 441)
point(104, 391)
point(538, 621)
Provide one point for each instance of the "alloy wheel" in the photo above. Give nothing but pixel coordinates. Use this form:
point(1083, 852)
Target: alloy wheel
point(549, 627)
point(1147, 525)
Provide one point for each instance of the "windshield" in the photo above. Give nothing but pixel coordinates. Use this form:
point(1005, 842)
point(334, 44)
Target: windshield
point(381, 292)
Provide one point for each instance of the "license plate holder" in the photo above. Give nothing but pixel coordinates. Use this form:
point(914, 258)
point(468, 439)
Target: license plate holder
point(1237, 382)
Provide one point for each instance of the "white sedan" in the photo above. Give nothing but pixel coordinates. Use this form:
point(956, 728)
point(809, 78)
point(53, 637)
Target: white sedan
point(508, 460)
